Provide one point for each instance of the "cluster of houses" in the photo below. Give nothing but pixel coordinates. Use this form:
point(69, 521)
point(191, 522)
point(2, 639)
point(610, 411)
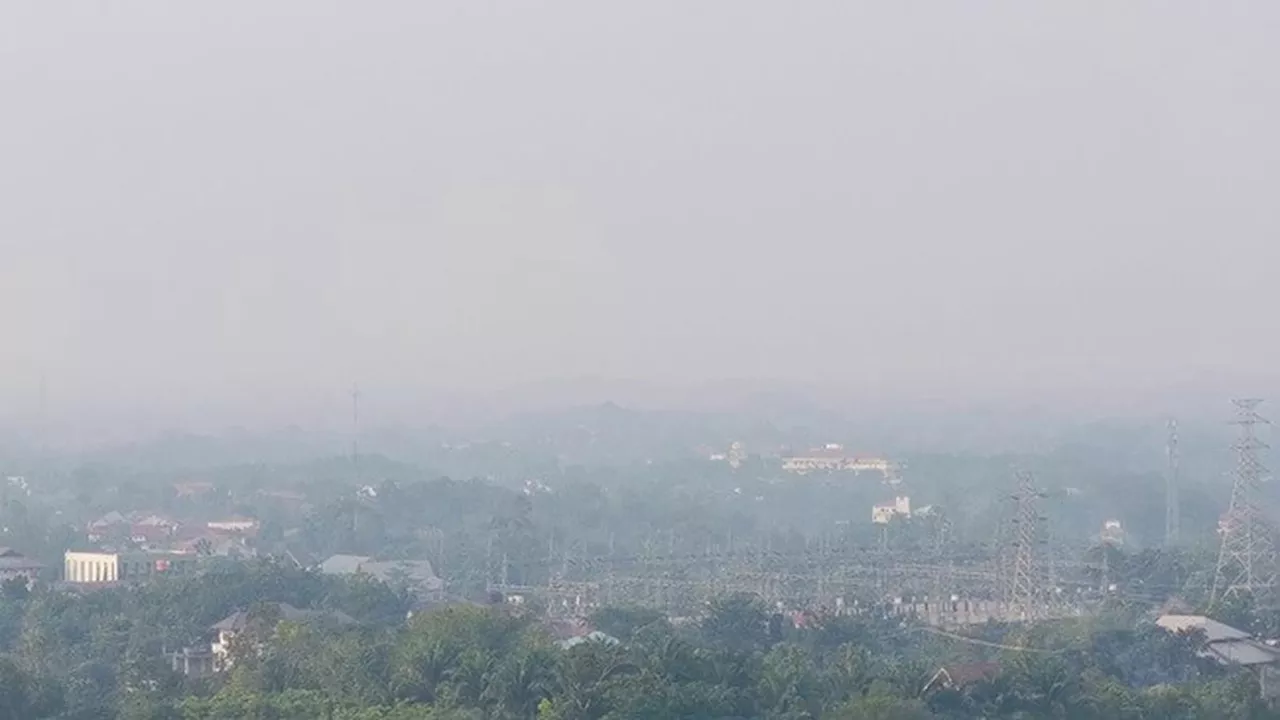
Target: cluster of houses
point(218, 653)
point(123, 547)
point(232, 536)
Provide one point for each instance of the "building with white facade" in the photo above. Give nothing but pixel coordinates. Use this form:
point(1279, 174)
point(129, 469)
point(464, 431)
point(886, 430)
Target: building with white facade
point(834, 458)
point(883, 514)
point(108, 567)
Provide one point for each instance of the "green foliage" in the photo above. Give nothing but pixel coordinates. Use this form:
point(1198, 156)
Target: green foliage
point(99, 655)
point(623, 623)
point(738, 622)
point(880, 707)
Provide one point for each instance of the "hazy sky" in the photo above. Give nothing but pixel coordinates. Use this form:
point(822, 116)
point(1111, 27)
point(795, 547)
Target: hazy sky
point(222, 199)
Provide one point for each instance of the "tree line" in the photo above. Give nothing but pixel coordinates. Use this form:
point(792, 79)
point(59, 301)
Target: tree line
point(100, 655)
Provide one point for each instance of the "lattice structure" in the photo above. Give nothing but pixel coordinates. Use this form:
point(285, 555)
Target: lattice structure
point(1025, 583)
point(1172, 513)
point(1247, 559)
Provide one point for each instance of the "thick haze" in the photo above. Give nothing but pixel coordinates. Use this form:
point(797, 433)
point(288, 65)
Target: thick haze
point(251, 205)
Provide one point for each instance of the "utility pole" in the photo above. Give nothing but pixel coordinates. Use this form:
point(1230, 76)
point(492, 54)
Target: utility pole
point(1172, 514)
point(1247, 557)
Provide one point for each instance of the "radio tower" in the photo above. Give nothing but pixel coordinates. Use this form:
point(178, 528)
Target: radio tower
point(1247, 559)
point(1172, 515)
point(1024, 582)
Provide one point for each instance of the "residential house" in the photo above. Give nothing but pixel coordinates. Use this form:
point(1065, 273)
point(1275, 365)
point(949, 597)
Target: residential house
point(192, 489)
point(152, 534)
point(210, 544)
point(140, 528)
point(1112, 533)
point(298, 555)
point(108, 524)
point(1231, 646)
point(959, 676)
point(193, 661)
point(19, 484)
point(1227, 645)
point(228, 629)
point(883, 514)
point(417, 575)
point(571, 632)
point(14, 564)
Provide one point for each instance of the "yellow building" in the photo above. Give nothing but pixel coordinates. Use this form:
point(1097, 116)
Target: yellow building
point(103, 567)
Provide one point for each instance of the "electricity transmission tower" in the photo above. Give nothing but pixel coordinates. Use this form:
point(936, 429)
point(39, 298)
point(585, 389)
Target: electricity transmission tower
point(1024, 582)
point(1247, 559)
point(1172, 514)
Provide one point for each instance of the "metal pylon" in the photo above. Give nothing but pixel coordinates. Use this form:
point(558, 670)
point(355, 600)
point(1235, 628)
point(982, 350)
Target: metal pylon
point(1172, 513)
point(1247, 558)
point(1025, 583)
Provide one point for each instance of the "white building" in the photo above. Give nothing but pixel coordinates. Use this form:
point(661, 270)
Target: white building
point(233, 525)
point(833, 458)
point(900, 507)
point(1112, 532)
point(104, 567)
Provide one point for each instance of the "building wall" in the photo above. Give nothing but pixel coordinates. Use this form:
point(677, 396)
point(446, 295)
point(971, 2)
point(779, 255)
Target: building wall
point(94, 567)
point(90, 567)
point(233, 525)
point(221, 648)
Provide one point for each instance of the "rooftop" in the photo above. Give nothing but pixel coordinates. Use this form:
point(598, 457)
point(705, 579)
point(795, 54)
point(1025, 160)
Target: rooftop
point(1214, 631)
point(11, 559)
point(1224, 643)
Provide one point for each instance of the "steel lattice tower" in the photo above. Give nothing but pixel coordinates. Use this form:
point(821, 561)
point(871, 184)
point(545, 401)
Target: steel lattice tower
point(1247, 559)
point(1024, 581)
point(1172, 514)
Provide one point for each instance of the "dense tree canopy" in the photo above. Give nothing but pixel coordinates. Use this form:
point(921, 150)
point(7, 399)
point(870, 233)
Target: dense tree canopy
point(100, 655)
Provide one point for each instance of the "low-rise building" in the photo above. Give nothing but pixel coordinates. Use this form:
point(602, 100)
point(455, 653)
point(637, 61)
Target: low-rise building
point(193, 661)
point(417, 575)
point(883, 514)
point(834, 458)
point(1223, 643)
point(228, 629)
point(140, 528)
point(192, 488)
point(108, 567)
point(1112, 533)
point(14, 564)
point(1231, 646)
point(239, 525)
point(959, 676)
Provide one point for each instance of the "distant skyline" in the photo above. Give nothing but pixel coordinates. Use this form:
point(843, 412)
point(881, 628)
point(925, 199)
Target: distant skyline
point(234, 211)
